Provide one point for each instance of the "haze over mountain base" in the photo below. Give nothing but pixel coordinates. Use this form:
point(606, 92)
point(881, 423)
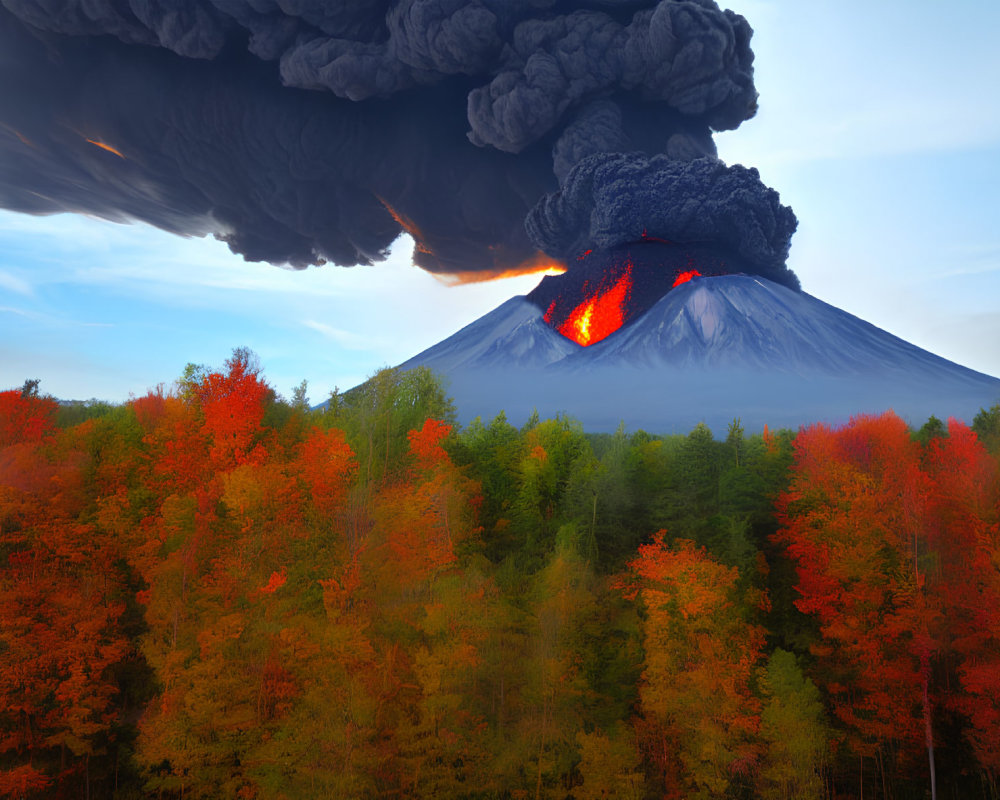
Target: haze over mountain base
point(708, 351)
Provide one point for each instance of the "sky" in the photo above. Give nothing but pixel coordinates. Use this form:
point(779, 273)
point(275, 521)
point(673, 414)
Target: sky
point(877, 124)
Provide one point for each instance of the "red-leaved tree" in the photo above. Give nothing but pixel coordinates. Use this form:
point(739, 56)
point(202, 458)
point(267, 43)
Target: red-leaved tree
point(892, 546)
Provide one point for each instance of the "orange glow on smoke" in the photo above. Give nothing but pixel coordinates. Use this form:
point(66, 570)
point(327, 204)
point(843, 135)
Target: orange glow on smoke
point(21, 137)
point(684, 277)
point(107, 147)
point(407, 225)
point(538, 263)
point(600, 314)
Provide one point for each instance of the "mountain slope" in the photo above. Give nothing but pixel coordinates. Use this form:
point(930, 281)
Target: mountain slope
point(710, 350)
point(511, 335)
point(743, 321)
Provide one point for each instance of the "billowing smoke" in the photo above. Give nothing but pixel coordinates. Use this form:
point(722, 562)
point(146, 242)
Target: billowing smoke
point(612, 199)
point(307, 132)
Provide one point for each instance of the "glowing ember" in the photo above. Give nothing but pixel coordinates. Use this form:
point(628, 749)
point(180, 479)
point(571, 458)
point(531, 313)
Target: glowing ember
point(548, 314)
point(600, 314)
point(684, 277)
point(107, 147)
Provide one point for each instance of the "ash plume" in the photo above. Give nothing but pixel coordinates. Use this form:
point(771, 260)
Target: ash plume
point(612, 199)
point(305, 133)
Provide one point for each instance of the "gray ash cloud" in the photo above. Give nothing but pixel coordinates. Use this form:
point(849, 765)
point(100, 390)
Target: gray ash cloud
point(307, 132)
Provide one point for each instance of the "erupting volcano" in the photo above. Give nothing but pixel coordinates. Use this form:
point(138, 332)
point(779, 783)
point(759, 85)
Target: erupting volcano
point(710, 349)
point(605, 290)
point(503, 137)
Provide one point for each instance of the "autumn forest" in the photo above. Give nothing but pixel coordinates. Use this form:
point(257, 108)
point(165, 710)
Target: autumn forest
point(214, 592)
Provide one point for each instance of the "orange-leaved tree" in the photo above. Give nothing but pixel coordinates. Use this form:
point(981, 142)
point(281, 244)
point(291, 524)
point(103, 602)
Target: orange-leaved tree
point(425, 626)
point(699, 716)
point(265, 686)
point(423, 519)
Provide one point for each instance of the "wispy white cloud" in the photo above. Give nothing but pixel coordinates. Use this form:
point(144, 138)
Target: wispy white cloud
point(967, 260)
point(986, 268)
point(900, 127)
point(834, 90)
point(19, 312)
point(15, 284)
point(346, 339)
point(51, 319)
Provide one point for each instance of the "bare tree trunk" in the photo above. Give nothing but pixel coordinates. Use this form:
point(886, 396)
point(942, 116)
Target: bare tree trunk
point(500, 713)
point(593, 531)
point(541, 749)
point(928, 733)
point(385, 469)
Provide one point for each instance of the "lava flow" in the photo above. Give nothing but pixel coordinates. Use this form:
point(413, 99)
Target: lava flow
point(599, 315)
point(602, 290)
point(684, 277)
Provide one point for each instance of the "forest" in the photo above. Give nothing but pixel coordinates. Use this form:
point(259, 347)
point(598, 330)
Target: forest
point(211, 591)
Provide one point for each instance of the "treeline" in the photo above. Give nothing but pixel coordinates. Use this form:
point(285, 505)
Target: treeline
point(214, 592)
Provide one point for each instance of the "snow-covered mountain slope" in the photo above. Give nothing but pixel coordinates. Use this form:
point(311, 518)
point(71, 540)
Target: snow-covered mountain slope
point(743, 321)
point(511, 335)
point(710, 350)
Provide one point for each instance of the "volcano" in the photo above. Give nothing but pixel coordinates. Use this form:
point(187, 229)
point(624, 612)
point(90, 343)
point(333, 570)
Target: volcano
point(711, 349)
point(608, 289)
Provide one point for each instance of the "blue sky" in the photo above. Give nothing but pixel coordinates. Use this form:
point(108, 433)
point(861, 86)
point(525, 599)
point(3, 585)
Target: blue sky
point(877, 124)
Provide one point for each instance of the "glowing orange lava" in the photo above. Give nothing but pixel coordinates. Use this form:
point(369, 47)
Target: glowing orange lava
point(684, 277)
point(107, 147)
point(599, 315)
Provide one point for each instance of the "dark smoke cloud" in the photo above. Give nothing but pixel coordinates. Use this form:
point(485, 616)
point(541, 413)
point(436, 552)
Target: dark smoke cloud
point(688, 56)
point(302, 131)
point(281, 175)
point(605, 126)
point(611, 199)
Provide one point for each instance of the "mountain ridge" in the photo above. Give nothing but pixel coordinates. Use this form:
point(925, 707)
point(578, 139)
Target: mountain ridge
point(710, 350)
